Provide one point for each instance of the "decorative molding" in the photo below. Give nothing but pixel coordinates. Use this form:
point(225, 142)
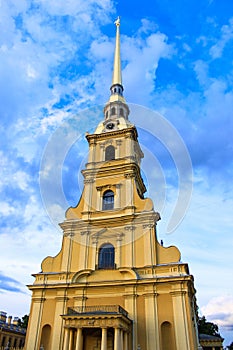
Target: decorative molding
point(92, 142)
point(108, 186)
point(131, 296)
point(89, 181)
point(69, 233)
point(119, 185)
point(38, 299)
point(119, 237)
point(145, 226)
point(129, 175)
point(130, 207)
point(85, 233)
point(129, 228)
point(61, 298)
point(178, 293)
point(107, 142)
point(150, 294)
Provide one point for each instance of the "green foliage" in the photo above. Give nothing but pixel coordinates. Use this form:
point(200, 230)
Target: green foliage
point(24, 322)
point(206, 327)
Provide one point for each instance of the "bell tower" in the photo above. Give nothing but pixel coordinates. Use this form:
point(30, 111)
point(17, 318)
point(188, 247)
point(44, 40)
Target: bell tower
point(113, 286)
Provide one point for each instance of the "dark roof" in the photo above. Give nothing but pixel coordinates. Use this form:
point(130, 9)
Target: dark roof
point(12, 328)
point(210, 337)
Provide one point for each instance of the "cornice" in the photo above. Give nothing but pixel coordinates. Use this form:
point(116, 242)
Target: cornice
point(116, 133)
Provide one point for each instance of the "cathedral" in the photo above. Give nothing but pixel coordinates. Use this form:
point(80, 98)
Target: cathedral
point(113, 286)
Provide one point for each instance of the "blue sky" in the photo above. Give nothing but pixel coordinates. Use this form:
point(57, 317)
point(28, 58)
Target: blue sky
point(55, 70)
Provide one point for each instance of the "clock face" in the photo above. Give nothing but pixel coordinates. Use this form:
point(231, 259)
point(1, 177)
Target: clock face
point(110, 126)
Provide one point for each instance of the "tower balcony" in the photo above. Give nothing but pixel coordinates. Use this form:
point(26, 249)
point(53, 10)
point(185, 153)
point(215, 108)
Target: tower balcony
point(97, 309)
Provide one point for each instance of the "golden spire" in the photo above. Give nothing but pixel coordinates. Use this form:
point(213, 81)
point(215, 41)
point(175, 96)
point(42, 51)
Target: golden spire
point(116, 77)
point(116, 110)
point(116, 87)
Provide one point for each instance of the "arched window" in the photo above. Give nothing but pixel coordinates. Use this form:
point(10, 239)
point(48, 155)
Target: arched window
point(110, 153)
point(113, 111)
point(45, 337)
point(106, 257)
point(108, 200)
point(167, 336)
point(106, 114)
point(121, 112)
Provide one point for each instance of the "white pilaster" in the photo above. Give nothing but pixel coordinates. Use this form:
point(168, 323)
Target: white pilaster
point(67, 248)
point(118, 148)
point(88, 184)
point(33, 341)
point(180, 320)
point(131, 307)
point(118, 196)
point(57, 331)
point(152, 328)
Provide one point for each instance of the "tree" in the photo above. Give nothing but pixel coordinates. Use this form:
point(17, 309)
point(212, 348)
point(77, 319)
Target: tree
point(230, 347)
point(206, 327)
point(24, 322)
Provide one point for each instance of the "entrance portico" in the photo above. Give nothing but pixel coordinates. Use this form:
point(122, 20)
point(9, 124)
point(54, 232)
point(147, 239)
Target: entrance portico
point(101, 327)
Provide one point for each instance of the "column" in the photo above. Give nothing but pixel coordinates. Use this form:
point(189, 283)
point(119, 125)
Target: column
point(130, 239)
point(149, 245)
point(129, 190)
point(131, 307)
point(82, 250)
point(104, 339)
point(125, 341)
point(32, 341)
point(67, 245)
point(152, 328)
point(180, 320)
point(117, 339)
point(118, 153)
point(102, 155)
point(94, 252)
point(66, 339)
point(88, 183)
point(71, 338)
point(118, 250)
point(87, 247)
point(122, 339)
point(57, 332)
point(79, 339)
point(99, 198)
point(129, 146)
point(118, 196)
point(91, 158)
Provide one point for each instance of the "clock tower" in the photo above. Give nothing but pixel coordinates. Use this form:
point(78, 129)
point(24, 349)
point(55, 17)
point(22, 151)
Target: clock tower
point(113, 286)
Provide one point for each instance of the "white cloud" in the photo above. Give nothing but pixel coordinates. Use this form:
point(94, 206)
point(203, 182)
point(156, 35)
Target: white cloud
point(6, 209)
point(220, 311)
point(216, 51)
point(142, 57)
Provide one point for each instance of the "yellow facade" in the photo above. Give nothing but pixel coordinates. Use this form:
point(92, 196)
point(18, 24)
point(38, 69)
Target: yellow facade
point(113, 286)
